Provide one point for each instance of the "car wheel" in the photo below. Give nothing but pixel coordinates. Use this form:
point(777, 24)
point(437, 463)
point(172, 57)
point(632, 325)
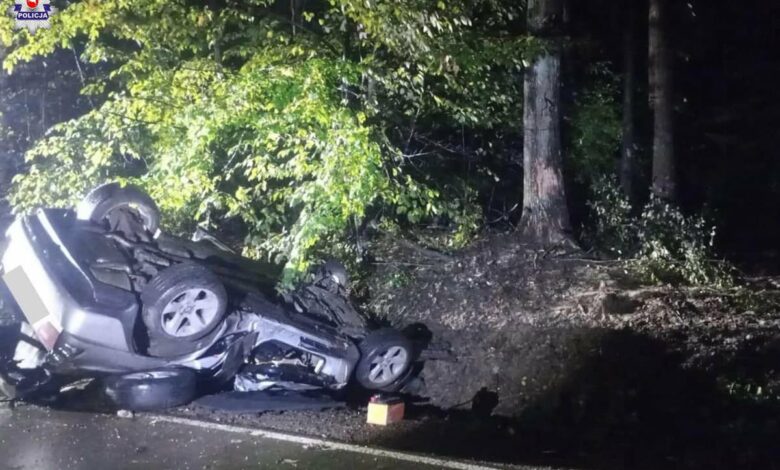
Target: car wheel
point(151, 390)
point(105, 204)
point(385, 360)
point(181, 305)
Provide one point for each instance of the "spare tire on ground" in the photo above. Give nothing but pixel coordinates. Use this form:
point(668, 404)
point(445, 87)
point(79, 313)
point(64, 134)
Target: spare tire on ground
point(181, 307)
point(151, 390)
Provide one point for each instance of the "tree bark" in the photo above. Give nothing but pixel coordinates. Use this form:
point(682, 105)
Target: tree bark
point(628, 157)
point(545, 215)
point(661, 102)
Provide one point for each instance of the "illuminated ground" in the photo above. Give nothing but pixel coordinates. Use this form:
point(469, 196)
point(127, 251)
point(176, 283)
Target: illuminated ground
point(40, 438)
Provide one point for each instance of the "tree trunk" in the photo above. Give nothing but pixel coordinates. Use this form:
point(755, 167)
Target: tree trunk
point(628, 157)
point(545, 215)
point(662, 102)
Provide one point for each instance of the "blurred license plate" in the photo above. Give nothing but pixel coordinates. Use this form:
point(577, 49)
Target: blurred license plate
point(26, 296)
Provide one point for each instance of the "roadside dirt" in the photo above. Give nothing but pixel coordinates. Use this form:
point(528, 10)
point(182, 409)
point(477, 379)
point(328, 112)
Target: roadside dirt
point(520, 321)
point(560, 360)
point(584, 361)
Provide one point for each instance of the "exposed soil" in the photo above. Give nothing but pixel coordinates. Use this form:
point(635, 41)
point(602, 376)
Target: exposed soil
point(560, 360)
point(520, 320)
point(588, 364)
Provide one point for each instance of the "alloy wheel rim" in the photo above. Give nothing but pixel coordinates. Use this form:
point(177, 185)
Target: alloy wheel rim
point(190, 312)
point(388, 366)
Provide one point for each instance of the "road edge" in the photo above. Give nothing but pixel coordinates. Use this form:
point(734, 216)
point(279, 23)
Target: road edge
point(324, 443)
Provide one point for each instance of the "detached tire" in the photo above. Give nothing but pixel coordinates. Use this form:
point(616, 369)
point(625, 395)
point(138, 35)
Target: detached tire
point(106, 200)
point(385, 360)
point(151, 390)
point(182, 306)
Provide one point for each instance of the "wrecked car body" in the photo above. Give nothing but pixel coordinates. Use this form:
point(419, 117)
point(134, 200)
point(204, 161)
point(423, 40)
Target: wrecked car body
point(105, 293)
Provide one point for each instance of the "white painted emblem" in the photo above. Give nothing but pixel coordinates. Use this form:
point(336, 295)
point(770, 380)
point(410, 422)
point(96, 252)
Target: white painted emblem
point(32, 14)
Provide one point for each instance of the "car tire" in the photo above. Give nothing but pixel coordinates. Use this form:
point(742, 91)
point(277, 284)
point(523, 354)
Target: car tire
point(386, 358)
point(104, 200)
point(181, 306)
point(151, 390)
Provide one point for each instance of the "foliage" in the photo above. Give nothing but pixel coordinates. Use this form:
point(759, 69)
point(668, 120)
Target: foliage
point(612, 229)
point(674, 247)
point(750, 391)
point(460, 60)
point(399, 279)
point(595, 127)
point(662, 244)
point(299, 125)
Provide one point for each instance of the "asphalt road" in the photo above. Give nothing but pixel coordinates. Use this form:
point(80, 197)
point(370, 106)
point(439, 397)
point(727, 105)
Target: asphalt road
point(41, 439)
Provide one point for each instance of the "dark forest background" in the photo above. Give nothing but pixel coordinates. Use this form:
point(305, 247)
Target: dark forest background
point(436, 118)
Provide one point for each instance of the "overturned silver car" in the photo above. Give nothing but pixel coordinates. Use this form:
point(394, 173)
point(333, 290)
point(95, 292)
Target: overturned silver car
point(105, 293)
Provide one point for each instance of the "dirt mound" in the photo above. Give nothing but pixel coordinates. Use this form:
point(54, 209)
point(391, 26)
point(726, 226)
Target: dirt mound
point(550, 330)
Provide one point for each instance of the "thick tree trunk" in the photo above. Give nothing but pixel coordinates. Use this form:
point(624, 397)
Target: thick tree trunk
point(628, 157)
point(545, 215)
point(662, 102)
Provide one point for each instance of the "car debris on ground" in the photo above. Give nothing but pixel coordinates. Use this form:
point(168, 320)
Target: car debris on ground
point(384, 410)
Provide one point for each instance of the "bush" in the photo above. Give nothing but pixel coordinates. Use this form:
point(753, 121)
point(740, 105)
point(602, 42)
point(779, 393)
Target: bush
point(673, 247)
point(661, 244)
point(271, 145)
point(613, 230)
point(296, 137)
